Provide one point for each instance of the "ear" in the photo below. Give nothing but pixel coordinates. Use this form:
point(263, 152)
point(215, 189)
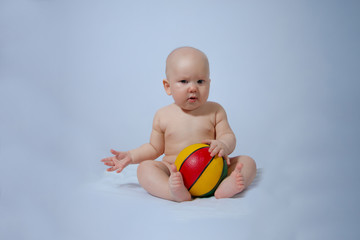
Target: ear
point(167, 86)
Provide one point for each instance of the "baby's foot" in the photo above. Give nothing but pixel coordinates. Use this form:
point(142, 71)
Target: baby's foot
point(177, 188)
point(231, 185)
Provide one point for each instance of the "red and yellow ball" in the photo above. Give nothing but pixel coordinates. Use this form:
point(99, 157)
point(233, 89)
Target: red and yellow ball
point(201, 173)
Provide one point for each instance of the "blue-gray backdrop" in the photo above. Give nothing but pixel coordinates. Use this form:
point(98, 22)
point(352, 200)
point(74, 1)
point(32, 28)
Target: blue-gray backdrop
point(80, 77)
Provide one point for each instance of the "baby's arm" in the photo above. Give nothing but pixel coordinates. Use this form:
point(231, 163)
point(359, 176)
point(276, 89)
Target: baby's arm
point(148, 151)
point(152, 149)
point(225, 141)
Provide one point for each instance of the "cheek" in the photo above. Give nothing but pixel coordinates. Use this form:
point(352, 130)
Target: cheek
point(178, 91)
point(205, 90)
point(178, 96)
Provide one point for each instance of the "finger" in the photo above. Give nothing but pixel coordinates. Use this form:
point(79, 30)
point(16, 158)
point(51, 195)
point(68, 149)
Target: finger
point(221, 153)
point(120, 169)
point(212, 143)
point(111, 169)
point(215, 151)
point(105, 160)
point(227, 160)
point(212, 149)
point(109, 163)
point(114, 152)
point(109, 159)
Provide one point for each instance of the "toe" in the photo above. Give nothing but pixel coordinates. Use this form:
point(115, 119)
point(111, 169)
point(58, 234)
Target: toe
point(239, 166)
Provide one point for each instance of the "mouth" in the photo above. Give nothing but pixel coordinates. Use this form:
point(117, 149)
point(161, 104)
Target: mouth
point(192, 99)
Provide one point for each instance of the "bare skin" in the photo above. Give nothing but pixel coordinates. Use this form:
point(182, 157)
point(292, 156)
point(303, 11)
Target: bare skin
point(190, 119)
point(178, 191)
point(234, 183)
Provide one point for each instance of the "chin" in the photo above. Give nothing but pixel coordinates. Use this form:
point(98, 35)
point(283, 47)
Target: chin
point(192, 107)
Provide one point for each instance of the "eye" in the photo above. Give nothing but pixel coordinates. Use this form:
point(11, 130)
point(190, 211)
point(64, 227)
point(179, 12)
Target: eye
point(200, 81)
point(183, 81)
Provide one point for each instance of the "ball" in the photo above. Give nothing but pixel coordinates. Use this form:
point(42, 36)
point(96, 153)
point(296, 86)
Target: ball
point(201, 173)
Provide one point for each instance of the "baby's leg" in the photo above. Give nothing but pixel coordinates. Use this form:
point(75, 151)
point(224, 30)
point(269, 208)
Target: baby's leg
point(241, 173)
point(159, 180)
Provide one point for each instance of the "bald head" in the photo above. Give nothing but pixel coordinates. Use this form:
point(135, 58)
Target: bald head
point(186, 56)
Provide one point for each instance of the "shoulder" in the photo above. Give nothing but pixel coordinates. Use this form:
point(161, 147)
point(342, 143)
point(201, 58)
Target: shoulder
point(215, 107)
point(162, 115)
point(218, 111)
point(165, 110)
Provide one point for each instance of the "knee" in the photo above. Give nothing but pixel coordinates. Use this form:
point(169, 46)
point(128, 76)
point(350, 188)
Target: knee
point(249, 161)
point(143, 167)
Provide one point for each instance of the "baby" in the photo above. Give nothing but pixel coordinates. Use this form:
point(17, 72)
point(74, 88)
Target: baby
point(190, 119)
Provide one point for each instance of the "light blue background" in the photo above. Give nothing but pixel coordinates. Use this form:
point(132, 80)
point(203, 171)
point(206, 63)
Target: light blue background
point(80, 77)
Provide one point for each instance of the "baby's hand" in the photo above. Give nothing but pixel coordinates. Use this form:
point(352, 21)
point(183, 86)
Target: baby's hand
point(117, 162)
point(218, 148)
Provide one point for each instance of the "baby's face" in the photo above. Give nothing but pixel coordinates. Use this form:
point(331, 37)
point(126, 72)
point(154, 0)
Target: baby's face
point(188, 81)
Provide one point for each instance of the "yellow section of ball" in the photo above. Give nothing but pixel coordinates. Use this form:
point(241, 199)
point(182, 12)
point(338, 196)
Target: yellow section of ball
point(209, 178)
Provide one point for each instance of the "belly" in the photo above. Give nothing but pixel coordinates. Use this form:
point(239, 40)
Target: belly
point(176, 139)
point(173, 150)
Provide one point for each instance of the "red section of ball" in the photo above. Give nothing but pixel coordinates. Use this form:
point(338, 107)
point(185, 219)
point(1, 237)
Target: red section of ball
point(194, 165)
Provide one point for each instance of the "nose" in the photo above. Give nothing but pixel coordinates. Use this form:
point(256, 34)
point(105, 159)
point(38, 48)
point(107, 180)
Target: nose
point(192, 87)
